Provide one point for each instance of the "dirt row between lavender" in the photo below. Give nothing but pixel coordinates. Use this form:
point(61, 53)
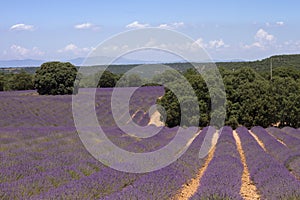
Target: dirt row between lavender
point(280, 141)
point(189, 189)
point(155, 119)
point(248, 188)
point(261, 144)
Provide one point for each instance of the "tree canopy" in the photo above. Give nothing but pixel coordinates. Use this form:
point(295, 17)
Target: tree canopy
point(55, 78)
point(18, 81)
point(21, 81)
point(251, 100)
point(106, 79)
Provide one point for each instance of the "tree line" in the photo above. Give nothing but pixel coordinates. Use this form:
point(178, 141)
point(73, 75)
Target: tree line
point(20, 81)
point(252, 97)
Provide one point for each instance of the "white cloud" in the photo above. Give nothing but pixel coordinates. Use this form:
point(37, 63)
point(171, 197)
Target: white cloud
point(22, 27)
point(200, 43)
point(274, 24)
point(164, 26)
point(255, 44)
point(216, 44)
point(151, 43)
point(136, 24)
point(19, 52)
point(213, 44)
point(290, 45)
point(262, 40)
point(178, 24)
point(83, 26)
point(86, 26)
point(72, 48)
point(280, 23)
point(262, 35)
point(174, 25)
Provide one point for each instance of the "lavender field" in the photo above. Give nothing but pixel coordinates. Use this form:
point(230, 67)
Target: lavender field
point(42, 156)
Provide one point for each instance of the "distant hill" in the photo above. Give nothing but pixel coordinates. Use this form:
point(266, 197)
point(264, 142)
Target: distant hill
point(264, 65)
point(77, 61)
point(21, 63)
point(102, 60)
point(123, 65)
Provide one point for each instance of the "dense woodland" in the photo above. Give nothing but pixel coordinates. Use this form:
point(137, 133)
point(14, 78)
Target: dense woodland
point(253, 97)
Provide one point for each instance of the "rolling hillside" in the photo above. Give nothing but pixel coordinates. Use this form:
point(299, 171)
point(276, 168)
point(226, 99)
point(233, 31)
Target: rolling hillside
point(259, 65)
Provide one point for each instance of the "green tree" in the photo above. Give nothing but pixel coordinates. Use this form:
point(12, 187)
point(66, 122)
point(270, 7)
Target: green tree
point(106, 79)
point(55, 78)
point(201, 90)
point(176, 106)
point(131, 80)
point(167, 76)
point(286, 72)
point(2, 81)
point(285, 91)
point(252, 99)
point(21, 81)
point(1, 85)
point(249, 99)
point(172, 108)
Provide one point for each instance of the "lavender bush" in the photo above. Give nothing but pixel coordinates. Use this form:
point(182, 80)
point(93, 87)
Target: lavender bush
point(271, 178)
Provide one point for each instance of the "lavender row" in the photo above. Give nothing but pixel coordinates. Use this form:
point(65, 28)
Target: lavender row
point(19, 157)
point(19, 178)
point(141, 118)
point(121, 139)
point(41, 157)
point(274, 147)
point(42, 182)
point(36, 171)
point(271, 178)
point(31, 166)
point(39, 149)
point(34, 111)
point(40, 143)
point(222, 179)
point(279, 151)
point(292, 131)
point(166, 182)
point(95, 186)
point(290, 141)
point(33, 161)
point(22, 135)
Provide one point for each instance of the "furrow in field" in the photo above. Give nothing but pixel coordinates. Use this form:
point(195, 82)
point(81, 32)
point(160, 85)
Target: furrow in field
point(190, 188)
point(248, 188)
point(280, 141)
point(261, 144)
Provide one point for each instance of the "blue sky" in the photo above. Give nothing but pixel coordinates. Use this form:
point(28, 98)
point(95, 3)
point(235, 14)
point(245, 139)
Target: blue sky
point(228, 30)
